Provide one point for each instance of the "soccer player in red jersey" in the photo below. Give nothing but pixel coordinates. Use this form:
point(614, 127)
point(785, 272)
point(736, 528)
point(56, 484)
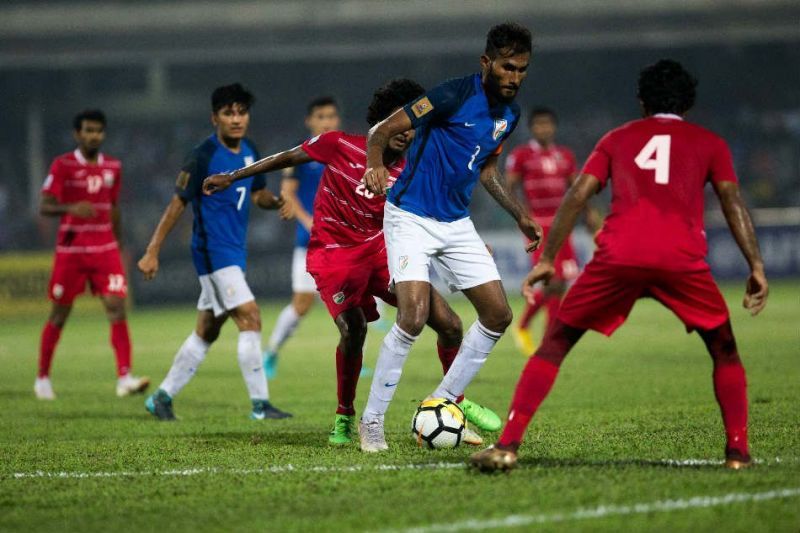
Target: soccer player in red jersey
point(82, 188)
point(347, 252)
point(652, 245)
point(544, 170)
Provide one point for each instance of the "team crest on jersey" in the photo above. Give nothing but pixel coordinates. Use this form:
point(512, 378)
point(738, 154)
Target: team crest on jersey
point(248, 160)
point(422, 107)
point(183, 180)
point(108, 178)
point(339, 297)
point(500, 127)
point(403, 262)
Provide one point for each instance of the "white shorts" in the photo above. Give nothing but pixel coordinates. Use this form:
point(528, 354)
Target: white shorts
point(302, 282)
point(455, 249)
point(223, 290)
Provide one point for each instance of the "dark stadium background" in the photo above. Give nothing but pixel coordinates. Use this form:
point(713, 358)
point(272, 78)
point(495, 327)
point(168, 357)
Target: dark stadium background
point(152, 65)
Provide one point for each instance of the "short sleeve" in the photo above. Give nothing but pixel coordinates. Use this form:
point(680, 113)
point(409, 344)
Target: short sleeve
point(514, 161)
point(189, 182)
point(599, 162)
point(54, 182)
point(721, 168)
point(439, 103)
point(322, 147)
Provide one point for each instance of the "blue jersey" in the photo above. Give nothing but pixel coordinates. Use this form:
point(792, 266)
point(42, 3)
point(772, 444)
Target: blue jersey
point(457, 130)
point(219, 231)
point(308, 175)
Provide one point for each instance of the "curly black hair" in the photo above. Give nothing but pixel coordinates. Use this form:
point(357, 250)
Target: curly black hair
point(394, 94)
point(666, 87)
point(229, 95)
point(508, 39)
point(95, 115)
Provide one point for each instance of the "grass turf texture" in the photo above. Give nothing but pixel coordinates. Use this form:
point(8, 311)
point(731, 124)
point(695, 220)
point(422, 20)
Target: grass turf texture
point(644, 395)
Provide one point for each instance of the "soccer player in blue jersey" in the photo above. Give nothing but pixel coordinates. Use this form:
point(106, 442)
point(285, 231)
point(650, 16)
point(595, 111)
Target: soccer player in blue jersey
point(299, 187)
point(460, 128)
point(219, 252)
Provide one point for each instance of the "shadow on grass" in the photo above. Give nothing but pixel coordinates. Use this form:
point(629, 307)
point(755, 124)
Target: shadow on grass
point(621, 463)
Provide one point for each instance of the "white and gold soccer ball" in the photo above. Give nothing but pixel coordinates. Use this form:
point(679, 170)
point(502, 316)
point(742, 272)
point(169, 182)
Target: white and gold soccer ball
point(438, 423)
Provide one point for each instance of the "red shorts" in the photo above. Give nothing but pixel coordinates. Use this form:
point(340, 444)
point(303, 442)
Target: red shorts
point(348, 278)
point(71, 271)
point(565, 263)
point(604, 294)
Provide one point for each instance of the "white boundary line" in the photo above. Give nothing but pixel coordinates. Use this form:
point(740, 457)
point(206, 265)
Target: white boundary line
point(289, 468)
point(601, 511)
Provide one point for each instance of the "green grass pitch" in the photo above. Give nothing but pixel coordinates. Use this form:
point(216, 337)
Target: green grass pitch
point(596, 456)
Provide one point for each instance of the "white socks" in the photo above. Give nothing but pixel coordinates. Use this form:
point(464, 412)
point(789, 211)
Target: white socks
point(392, 356)
point(251, 365)
point(284, 327)
point(475, 348)
point(187, 360)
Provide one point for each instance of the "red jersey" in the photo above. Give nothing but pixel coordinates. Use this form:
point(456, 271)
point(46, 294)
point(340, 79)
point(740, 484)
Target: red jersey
point(346, 214)
point(545, 175)
point(73, 179)
point(659, 166)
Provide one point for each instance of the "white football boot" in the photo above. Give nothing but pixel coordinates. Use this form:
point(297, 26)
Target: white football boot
point(44, 389)
point(371, 436)
point(471, 437)
point(128, 384)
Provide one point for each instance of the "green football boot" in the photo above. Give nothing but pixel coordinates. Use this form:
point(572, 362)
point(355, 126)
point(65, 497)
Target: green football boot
point(480, 416)
point(343, 427)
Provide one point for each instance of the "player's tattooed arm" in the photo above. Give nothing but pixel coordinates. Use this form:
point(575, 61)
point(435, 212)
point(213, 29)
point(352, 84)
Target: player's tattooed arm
point(493, 182)
point(378, 149)
point(148, 264)
point(741, 226)
point(288, 158)
point(50, 207)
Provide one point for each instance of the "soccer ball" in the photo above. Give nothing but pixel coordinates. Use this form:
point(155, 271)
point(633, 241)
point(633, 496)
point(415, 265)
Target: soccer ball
point(438, 423)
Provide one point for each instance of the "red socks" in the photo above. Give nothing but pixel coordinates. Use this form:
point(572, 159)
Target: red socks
point(47, 347)
point(121, 342)
point(534, 384)
point(347, 370)
point(730, 388)
point(447, 356)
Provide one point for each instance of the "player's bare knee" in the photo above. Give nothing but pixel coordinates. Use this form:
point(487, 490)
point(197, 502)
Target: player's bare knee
point(302, 303)
point(352, 330)
point(250, 321)
point(413, 319)
point(453, 331)
point(499, 320)
point(59, 314)
point(115, 311)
